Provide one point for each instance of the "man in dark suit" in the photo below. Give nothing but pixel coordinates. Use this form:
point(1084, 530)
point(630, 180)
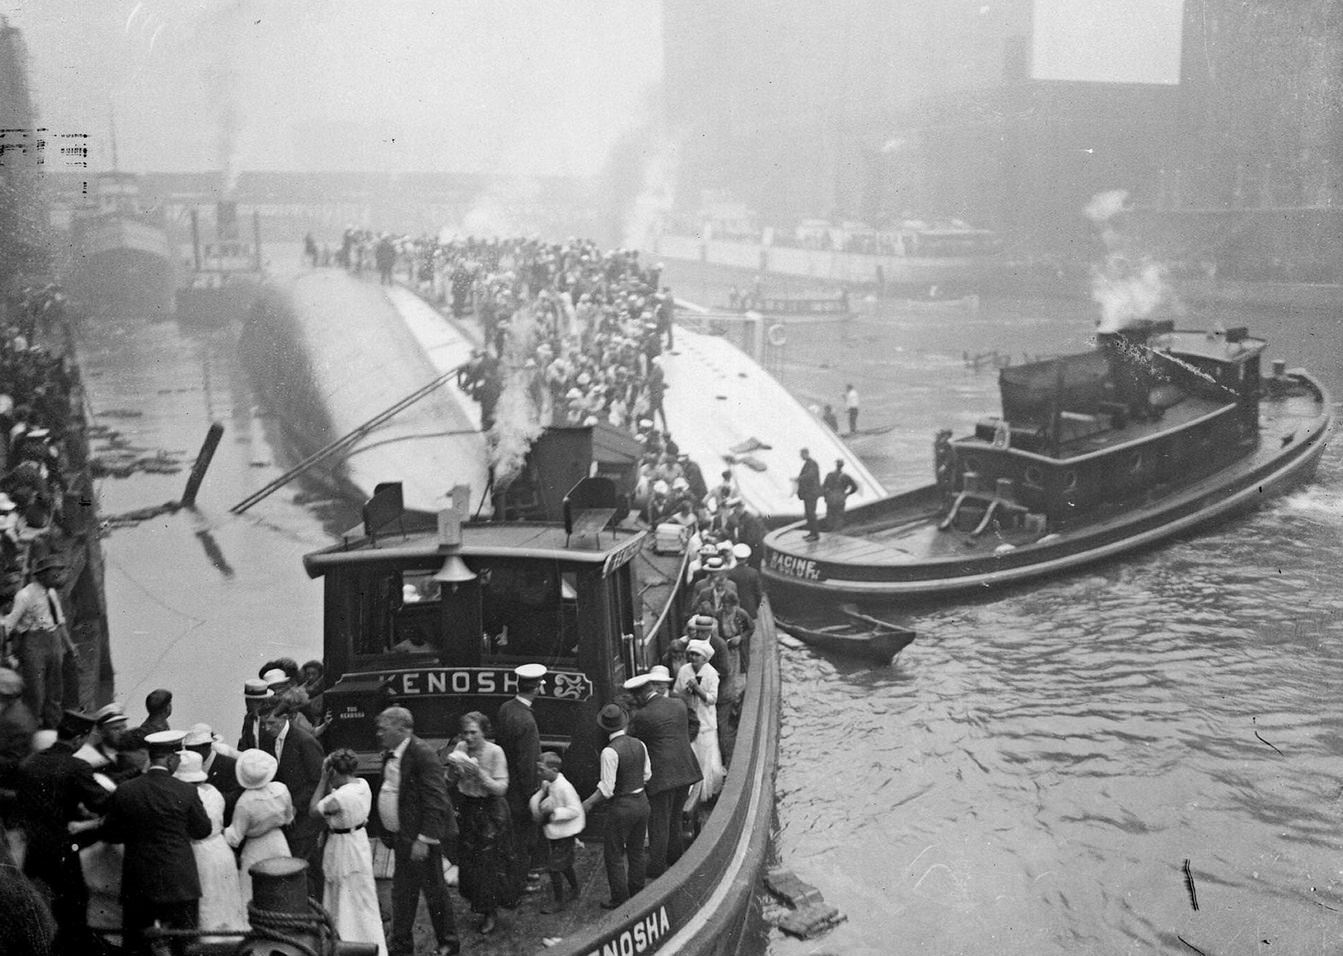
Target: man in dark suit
point(663, 724)
point(516, 733)
point(417, 819)
point(299, 758)
point(809, 490)
point(746, 578)
point(157, 816)
point(220, 769)
point(53, 789)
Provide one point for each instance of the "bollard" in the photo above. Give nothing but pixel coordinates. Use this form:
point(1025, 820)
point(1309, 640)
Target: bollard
point(285, 922)
point(202, 463)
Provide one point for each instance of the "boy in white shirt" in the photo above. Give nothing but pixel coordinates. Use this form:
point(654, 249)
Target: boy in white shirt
point(556, 806)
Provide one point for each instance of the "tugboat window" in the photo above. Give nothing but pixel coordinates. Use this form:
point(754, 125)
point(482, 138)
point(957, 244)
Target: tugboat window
point(1135, 463)
point(1034, 476)
point(526, 615)
point(1069, 480)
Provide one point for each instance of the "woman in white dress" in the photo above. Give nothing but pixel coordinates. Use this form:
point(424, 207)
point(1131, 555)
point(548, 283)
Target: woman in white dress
point(221, 905)
point(264, 807)
point(344, 801)
point(697, 685)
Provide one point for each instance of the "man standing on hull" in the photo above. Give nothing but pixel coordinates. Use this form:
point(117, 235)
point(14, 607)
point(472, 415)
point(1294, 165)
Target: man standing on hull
point(809, 490)
point(663, 724)
point(837, 487)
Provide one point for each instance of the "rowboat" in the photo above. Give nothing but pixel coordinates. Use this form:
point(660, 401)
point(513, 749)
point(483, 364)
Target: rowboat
point(861, 635)
point(1155, 434)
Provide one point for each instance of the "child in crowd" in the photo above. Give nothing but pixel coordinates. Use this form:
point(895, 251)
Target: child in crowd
point(556, 806)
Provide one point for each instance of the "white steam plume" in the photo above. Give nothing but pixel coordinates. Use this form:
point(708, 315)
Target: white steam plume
point(1128, 286)
point(517, 420)
point(654, 200)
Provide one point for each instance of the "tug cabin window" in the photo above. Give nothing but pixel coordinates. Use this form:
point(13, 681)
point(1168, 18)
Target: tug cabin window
point(513, 611)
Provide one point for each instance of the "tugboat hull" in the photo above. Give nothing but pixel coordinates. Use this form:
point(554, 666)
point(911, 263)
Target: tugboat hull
point(896, 551)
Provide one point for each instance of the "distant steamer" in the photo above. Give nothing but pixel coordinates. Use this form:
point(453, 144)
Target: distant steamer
point(122, 253)
point(225, 277)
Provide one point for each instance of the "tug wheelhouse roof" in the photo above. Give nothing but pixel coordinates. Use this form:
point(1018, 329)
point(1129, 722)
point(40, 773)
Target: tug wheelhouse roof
point(1230, 349)
point(611, 547)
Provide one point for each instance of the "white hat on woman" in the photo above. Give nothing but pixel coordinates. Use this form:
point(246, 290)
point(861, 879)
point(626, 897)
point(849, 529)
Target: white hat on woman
point(255, 769)
point(189, 769)
point(700, 647)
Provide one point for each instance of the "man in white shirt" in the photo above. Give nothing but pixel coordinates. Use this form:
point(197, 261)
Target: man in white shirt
point(851, 403)
point(416, 816)
point(36, 624)
point(625, 770)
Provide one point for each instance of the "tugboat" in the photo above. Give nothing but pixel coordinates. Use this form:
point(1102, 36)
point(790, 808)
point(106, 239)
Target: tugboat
point(433, 613)
point(122, 254)
point(225, 278)
point(1153, 434)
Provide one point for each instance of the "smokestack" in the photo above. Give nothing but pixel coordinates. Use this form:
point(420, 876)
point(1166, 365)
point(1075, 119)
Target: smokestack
point(1132, 372)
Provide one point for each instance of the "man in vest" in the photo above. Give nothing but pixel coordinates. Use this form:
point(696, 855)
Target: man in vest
point(625, 770)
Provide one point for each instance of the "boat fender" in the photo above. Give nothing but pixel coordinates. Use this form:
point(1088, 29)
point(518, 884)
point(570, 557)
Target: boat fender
point(1004, 548)
point(1048, 539)
point(777, 335)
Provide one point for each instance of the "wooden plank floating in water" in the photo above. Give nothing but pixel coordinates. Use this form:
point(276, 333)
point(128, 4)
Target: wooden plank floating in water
point(811, 915)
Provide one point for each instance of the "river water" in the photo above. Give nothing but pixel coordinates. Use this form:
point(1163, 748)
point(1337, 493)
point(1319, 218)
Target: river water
point(1033, 774)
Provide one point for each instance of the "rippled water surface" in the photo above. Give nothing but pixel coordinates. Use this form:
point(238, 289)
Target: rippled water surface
point(1033, 774)
point(1029, 778)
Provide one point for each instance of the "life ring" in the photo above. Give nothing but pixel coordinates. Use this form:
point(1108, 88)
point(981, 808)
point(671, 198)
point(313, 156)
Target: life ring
point(777, 336)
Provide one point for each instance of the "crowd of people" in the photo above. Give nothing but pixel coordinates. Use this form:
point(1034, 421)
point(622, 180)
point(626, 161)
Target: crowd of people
point(37, 444)
point(118, 829)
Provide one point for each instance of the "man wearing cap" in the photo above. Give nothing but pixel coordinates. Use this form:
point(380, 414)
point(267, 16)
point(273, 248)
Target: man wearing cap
point(157, 816)
point(515, 731)
point(255, 695)
point(746, 578)
point(220, 769)
point(36, 624)
point(54, 788)
point(663, 724)
point(100, 749)
point(625, 772)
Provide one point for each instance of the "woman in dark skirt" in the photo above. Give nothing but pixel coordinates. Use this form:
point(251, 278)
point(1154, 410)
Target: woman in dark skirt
point(480, 771)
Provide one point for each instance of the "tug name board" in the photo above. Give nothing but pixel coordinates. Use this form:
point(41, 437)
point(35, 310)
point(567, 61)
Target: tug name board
point(803, 568)
point(564, 685)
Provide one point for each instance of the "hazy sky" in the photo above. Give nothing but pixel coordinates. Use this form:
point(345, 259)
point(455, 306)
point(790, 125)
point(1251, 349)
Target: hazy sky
point(530, 86)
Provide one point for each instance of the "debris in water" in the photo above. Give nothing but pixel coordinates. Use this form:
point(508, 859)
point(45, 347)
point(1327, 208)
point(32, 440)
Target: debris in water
point(811, 915)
